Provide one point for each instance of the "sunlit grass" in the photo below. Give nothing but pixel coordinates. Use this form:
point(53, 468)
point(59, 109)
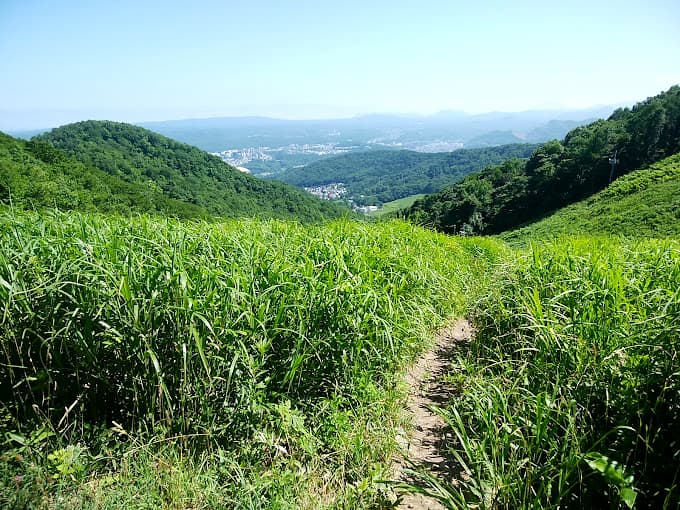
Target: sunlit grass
point(270, 344)
point(641, 204)
point(570, 391)
point(256, 364)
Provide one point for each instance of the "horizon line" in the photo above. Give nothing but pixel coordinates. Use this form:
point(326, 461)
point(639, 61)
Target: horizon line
point(293, 118)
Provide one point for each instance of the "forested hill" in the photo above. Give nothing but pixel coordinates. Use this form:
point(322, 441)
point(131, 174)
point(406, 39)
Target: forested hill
point(383, 176)
point(37, 175)
point(509, 195)
point(182, 172)
point(644, 203)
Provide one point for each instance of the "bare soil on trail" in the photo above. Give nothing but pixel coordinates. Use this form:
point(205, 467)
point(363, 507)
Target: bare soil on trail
point(424, 448)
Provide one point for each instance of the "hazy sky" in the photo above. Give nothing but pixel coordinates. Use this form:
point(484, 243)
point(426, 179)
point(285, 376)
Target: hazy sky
point(145, 60)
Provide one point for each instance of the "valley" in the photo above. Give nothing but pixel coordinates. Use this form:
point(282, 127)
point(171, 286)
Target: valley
point(270, 147)
point(176, 333)
point(373, 178)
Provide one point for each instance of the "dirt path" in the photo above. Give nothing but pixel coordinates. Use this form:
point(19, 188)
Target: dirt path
point(426, 389)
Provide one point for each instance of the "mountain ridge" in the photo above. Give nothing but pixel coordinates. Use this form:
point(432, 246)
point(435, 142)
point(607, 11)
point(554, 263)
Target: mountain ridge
point(180, 173)
point(557, 174)
point(36, 175)
point(220, 133)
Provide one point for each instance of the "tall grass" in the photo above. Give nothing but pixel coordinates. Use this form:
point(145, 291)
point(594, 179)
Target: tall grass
point(224, 335)
point(571, 389)
point(256, 362)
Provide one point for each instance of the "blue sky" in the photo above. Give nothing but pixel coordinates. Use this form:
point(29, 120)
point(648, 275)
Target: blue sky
point(150, 60)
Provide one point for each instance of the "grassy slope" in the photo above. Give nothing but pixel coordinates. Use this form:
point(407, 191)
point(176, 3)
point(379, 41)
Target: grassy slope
point(248, 364)
point(255, 364)
point(396, 205)
point(569, 394)
point(645, 203)
point(184, 173)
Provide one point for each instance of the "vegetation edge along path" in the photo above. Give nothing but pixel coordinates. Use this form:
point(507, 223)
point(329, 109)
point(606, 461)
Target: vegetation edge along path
point(423, 448)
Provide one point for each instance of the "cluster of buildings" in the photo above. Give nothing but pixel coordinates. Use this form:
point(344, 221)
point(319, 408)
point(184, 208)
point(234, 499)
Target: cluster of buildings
point(241, 157)
point(366, 208)
point(439, 146)
point(337, 191)
point(332, 191)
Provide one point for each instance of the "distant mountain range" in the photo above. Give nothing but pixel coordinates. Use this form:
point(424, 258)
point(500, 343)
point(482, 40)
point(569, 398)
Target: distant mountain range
point(551, 130)
point(269, 146)
point(401, 131)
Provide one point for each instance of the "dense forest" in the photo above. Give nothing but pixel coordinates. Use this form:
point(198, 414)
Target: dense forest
point(161, 167)
point(35, 175)
point(559, 173)
point(383, 176)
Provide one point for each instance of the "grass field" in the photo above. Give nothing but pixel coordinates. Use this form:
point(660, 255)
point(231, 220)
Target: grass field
point(396, 205)
point(569, 395)
point(151, 363)
point(271, 348)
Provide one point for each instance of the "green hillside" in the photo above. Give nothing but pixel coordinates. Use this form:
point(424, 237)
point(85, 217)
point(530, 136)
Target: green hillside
point(181, 172)
point(396, 205)
point(644, 203)
point(155, 363)
point(558, 173)
point(384, 176)
point(36, 175)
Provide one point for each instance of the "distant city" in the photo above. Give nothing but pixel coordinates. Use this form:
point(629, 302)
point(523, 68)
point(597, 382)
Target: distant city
point(275, 148)
point(241, 157)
